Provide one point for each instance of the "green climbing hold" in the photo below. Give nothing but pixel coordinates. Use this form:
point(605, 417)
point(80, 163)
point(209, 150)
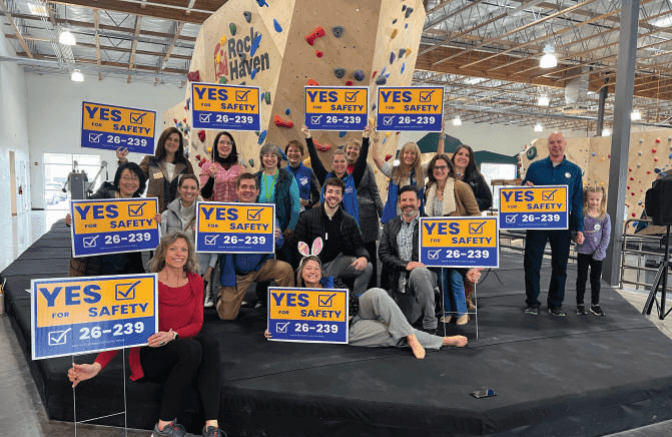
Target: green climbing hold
point(267, 97)
point(251, 162)
point(222, 79)
point(232, 28)
point(532, 152)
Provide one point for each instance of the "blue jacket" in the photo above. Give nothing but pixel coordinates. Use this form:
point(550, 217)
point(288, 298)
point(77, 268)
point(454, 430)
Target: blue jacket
point(309, 187)
point(285, 209)
point(567, 173)
point(390, 210)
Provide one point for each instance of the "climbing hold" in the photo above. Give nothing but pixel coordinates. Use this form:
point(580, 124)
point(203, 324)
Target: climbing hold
point(322, 147)
point(232, 28)
point(175, 120)
point(242, 83)
point(655, 159)
point(594, 153)
point(382, 73)
point(222, 79)
point(403, 8)
point(408, 51)
point(648, 172)
point(319, 53)
point(262, 3)
point(242, 56)
point(388, 157)
point(639, 153)
point(198, 157)
point(358, 75)
point(261, 138)
point(406, 26)
point(373, 108)
point(248, 16)
point(349, 83)
point(313, 82)
point(634, 215)
point(194, 76)
point(255, 45)
point(403, 67)
point(251, 162)
point(222, 41)
point(639, 165)
point(654, 150)
point(340, 146)
point(392, 56)
point(658, 140)
point(657, 169)
point(632, 179)
point(409, 11)
point(531, 152)
point(630, 169)
point(641, 140)
point(287, 111)
point(342, 134)
point(339, 72)
point(609, 156)
point(201, 135)
point(316, 33)
point(374, 74)
point(277, 26)
point(402, 52)
point(382, 80)
point(394, 21)
point(253, 73)
point(267, 97)
point(279, 121)
point(337, 31)
point(394, 33)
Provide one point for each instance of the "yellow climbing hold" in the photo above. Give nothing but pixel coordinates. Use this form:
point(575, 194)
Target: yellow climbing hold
point(222, 41)
point(387, 134)
point(394, 33)
point(218, 59)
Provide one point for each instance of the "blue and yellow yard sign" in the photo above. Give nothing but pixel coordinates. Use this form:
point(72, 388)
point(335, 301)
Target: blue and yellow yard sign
point(409, 108)
point(235, 227)
point(91, 314)
point(225, 107)
point(107, 226)
point(466, 242)
point(337, 108)
point(110, 127)
point(540, 207)
point(308, 315)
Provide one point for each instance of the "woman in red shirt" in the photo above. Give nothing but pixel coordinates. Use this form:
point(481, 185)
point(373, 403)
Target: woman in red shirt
point(176, 355)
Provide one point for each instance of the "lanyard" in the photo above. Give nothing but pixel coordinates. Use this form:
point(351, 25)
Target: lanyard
point(269, 190)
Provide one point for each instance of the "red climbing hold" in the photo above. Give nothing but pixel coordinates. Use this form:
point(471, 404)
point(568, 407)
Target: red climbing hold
point(322, 147)
point(318, 32)
point(175, 120)
point(194, 76)
point(374, 74)
point(657, 140)
point(279, 121)
point(319, 53)
point(653, 150)
point(201, 136)
point(388, 157)
point(198, 157)
point(349, 83)
point(312, 82)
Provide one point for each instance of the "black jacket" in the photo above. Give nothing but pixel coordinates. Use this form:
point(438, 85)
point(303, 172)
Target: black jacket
point(480, 188)
point(388, 252)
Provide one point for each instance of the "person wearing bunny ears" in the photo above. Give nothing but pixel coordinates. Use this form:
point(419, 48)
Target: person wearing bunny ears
point(239, 271)
point(344, 255)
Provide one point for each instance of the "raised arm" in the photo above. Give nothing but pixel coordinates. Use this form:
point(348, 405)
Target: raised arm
point(442, 139)
point(315, 162)
point(360, 165)
point(374, 151)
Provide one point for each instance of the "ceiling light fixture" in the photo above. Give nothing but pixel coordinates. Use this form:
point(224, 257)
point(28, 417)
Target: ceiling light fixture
point(549, 60)
point(67, 38)
point(635, 115)
point(457, 121)
point(77, 76)
point(543, 100)
point(538, 127)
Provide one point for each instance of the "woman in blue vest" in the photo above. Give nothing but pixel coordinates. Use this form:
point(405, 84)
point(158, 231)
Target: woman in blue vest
point(309, 186)
point(339, 165)
point(410, 171)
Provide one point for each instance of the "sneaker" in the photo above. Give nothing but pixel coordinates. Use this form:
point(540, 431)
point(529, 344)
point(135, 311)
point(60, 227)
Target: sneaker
point(171, 430)
point(213, 431)
point(209, 302)
point(532, 310)
point(581, 310)
point(430, 331)
point(558, 312)
point(259, 305)
point(595, 309)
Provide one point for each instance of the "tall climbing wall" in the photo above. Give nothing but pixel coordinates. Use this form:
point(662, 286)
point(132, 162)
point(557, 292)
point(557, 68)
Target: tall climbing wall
point(281, 46)
point(650, 154)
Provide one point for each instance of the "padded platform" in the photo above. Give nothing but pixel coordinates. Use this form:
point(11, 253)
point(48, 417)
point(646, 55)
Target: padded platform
point(579, 375)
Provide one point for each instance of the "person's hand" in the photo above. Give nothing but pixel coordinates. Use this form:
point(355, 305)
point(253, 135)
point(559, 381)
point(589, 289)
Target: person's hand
point(207, 275)
point(305, 131)
point(160, 339)
point(375, 137)
point(81, 372)
point(473, 275)
point(288, 234)
point(443, 127)
point(212, 170)
point(413, 265)
point(580, 238)
point(158, 218)
point(122, 153)
point(303, 202)
point(267, 334)
point(68, 220)
point(367, 131)
point(360, 263)
point(529, 184)
point(277, 233)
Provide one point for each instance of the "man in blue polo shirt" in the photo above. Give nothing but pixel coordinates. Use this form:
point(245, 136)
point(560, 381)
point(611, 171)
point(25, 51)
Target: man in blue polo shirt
point(554, 170)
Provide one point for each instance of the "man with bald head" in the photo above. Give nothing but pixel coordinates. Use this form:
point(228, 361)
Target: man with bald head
point(554, 170)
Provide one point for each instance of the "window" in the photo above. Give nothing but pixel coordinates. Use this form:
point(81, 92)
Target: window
point(57, 167)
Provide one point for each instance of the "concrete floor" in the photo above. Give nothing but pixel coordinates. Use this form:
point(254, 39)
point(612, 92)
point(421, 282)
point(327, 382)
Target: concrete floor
point(21, 409)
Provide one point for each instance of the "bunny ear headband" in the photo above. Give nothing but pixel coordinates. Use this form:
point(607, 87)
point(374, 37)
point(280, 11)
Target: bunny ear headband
point(318, 245)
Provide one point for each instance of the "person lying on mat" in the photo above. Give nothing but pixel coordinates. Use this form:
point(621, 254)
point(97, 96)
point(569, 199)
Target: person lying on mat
point(177, 355)
point(375, 319)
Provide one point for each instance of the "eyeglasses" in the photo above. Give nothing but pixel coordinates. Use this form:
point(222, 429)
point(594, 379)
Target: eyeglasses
point(130, 178)
point(441, 167)
point(225, 142)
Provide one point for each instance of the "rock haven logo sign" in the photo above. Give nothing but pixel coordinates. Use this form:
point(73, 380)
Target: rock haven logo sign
point(236, 58)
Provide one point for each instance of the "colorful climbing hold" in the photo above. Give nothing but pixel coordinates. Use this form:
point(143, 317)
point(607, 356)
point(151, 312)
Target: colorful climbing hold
point(194, 76)
point(388, 157)
point(654, 150)
point(341, 134)
point(339, 72)
point(222, 41)
point(337, 31)
point(409, 11)
point(223, 79)
point(201, 136)
point(262, 3)
point(319, 53)
point(267, 97)
point(403, 67)
point(374, 74)
point(403, 8)
point(406, 26)
point(657, 169)
point(382, 80)
point(358, 75)
point(349, 83)
point(279, 121)
point(232, 28)
point(251, 162)
point(253, 73)
point(313, 82)
point(248, 16)
point(394, 21)
point(402, 52)
point(262, 137)
point(394, 33)
point(392, 56)
point(658, 140)
point(316, 33)
point(322, 147)
point(255, 44)
point(287, 111)
point(277, 26)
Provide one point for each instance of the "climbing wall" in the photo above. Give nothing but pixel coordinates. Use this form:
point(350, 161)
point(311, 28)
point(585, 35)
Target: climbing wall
point(281, 46)
point(650, 154)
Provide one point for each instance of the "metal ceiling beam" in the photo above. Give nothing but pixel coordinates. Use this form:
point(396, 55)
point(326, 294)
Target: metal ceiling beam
point(16, 29)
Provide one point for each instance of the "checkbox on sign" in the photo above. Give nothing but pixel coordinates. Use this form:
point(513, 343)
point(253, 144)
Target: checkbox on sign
point(210, 240)
point(476, 228)
point(388, 120)
point(511, 218)
point(433, 254)
point(136, 117)
point(281, 328)
point(135, 210)
point(325, 300)
point(315, 119)
point(254, 215)
point(204, 118)
point(426, 96)
point(89, 242)
point(95, 138)
point(241, 96)
point(351, 96)
point(125, 291)
point(58, 338)
point(548, 195)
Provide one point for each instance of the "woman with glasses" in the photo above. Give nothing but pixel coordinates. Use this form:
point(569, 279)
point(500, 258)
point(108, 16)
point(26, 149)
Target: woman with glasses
point(218, 177)
point(162, 169)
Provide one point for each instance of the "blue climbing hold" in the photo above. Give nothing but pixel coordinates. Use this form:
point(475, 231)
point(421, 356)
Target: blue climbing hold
point(341, 134)
point(403, 67)
point(255, 45)
point(406, 26)
point(593, 153)
point(657, 170)
point(253, 73)
point(403, 8)
point(392, 56)
point(262, 3)
point(287, 111)
point(382, 73)
point(277, 26)
point(262, 137)
point(373, 108)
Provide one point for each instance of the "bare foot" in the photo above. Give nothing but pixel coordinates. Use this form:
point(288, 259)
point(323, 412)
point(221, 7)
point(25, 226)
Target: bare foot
point(455, 340)
point(416, 347)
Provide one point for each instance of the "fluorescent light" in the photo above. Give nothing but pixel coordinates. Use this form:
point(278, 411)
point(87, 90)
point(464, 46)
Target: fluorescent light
point(67, 38)
point(39, 10)
point(606, 132)
point(635, 115)
point(663, 22)
point(77, 76)
point(538, 127)
point(549, 59)
point(457, 121)
point(543, 100)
